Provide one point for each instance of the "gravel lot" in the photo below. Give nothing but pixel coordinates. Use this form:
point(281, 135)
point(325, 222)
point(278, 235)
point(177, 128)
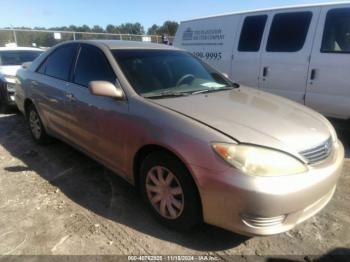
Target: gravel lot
point(55, 200)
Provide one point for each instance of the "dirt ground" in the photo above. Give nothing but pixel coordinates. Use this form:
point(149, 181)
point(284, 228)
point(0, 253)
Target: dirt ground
point(55, 200)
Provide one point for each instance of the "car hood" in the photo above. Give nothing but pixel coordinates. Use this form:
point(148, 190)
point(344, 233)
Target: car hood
point(251, 116)
point(9, 70)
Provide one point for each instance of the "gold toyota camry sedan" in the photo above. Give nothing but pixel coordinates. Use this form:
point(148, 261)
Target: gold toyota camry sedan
point(197, 146)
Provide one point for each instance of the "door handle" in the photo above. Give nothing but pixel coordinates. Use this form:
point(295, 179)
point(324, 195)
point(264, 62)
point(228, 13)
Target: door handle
point(265, 71)
point(313, 74)
point(70, 97)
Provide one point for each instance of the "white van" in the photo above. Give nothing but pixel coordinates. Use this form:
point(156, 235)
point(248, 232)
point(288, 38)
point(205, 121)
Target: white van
point(302, 53)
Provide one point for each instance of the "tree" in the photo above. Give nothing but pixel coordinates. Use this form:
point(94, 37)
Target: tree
point(47, 38)
point(97, 29)
point(73, 28)
point(168, 27)
point(83, 28)
point(111, 29)
point(131, 28)
point(153, 30)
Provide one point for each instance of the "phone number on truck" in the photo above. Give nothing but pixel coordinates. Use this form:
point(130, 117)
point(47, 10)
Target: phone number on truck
point(208, 55)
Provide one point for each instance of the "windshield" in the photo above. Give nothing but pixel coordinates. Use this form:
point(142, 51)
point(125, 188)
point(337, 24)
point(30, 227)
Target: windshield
point(155, 73)
point(8, 58)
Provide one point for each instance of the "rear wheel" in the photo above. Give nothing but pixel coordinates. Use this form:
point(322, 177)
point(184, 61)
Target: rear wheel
point(36, 127)
point(169, 191)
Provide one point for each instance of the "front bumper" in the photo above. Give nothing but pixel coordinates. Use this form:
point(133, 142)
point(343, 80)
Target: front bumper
point(267, 205)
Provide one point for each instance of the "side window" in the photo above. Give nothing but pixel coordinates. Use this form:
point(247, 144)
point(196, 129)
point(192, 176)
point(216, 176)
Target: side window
point(252, 33)
point(92, 65)
point(288, 32)
point(336, 35)
point(58, 64)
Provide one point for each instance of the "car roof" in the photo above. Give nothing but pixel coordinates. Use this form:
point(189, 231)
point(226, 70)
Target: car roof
point(121, 44)
point(20, 49)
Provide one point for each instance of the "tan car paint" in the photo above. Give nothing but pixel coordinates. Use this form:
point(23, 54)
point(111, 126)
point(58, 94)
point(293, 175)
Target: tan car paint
point(115, 131)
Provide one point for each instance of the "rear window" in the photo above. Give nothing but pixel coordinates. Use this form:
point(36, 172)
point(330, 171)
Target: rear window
point(252, 33)
point(58, 64)
point(336, 36)
point(8, 58)
point(288, 32)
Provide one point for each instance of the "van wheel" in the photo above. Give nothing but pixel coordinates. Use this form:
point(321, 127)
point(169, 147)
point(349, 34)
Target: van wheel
point(169, 191)
point(36, 127)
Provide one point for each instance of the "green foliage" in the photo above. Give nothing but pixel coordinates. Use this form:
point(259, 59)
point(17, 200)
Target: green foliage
point(169, 28)
point(46, 39)
point(153, 30)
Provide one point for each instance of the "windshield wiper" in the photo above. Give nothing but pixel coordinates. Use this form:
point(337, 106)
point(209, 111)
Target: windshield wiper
point(212, 90)
point(166, 94)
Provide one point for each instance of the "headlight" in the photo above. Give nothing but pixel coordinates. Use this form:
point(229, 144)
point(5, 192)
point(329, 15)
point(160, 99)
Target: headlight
point(10, 79)
point(10, 82)
point(259, 161)
point(11, 87)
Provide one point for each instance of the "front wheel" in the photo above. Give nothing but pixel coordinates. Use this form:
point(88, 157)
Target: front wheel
point(36, 127)
point(170, 192)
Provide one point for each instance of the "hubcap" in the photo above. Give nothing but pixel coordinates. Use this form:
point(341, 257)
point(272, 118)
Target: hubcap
point(164, 192)
point(35, 125)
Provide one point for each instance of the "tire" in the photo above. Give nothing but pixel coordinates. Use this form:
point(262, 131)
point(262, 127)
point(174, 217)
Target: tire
point(176, 200)
point(36, 127)
point(4, 108)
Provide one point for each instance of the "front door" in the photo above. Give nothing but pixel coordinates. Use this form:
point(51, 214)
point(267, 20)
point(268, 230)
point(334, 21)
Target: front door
point(247, 50)
point(286, 56)
point(98, 121)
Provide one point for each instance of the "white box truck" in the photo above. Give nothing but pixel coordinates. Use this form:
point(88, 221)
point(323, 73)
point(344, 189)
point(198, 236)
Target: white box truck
point(302, 52)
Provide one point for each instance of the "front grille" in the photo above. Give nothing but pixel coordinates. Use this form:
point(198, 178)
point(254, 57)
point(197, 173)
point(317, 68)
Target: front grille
point(263, 222)
point(319, 153)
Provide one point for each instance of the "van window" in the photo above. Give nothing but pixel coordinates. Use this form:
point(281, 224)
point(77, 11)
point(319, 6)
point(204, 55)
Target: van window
point(58, 63)
point(92, 65)
point(288, 32)
point(252, 32)
point(336, 35)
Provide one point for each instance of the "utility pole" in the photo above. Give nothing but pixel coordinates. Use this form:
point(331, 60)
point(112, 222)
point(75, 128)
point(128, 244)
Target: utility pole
point(14, 34)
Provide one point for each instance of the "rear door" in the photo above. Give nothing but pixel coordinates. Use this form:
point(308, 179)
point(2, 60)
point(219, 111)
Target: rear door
point(286, 56)
point(328, 89)
point(247, 49)
point(49, 86)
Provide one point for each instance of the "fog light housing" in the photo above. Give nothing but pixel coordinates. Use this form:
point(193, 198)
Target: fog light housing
point(263, 222)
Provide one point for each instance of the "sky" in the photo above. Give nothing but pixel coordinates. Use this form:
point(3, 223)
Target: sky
point(51, 13)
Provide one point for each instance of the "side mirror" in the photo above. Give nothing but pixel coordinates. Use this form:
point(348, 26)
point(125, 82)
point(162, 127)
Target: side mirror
point(107, 89)
point(26, 65)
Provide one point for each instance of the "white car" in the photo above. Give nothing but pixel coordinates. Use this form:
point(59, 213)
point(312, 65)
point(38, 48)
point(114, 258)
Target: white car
point(302, 52)
point(11, 59)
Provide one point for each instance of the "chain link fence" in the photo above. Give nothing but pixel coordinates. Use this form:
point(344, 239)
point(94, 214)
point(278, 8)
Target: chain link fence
point(48, 38)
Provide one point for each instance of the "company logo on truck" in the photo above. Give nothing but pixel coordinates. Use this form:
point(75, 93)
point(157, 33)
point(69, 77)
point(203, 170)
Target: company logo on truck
point(202, 35)
point(188, 34)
